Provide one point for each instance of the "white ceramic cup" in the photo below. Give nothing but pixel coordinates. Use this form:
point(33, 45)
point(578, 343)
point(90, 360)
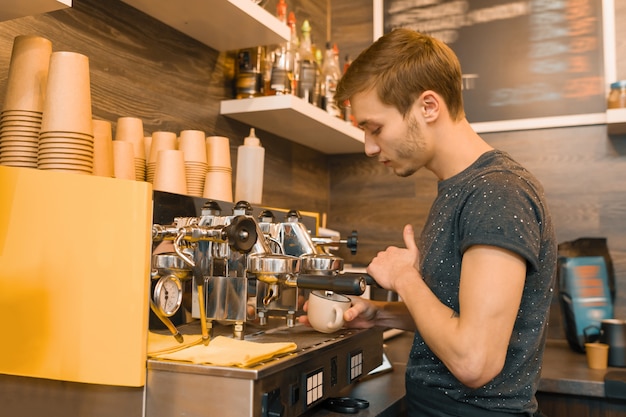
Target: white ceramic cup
point(325, 310)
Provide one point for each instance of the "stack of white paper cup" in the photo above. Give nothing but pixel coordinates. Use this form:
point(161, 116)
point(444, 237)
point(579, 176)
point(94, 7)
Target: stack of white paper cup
point(21, 116)
point(66, 139)
point(218, 184)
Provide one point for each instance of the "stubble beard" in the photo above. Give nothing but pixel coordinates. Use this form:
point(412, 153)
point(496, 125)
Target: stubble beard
point(409, 147)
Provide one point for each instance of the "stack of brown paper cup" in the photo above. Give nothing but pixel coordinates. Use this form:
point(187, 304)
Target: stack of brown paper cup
point(102, 149)
point(147, 144)
point(123, 160)
point(193, 145)
point(66, 139)
point(218, 184)
point(20, 119)
point(169, 174)
point(130, 129)
point(161, 140)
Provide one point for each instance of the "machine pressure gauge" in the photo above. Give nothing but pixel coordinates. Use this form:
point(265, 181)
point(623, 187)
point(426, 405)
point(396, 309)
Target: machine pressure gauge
point(168, 295)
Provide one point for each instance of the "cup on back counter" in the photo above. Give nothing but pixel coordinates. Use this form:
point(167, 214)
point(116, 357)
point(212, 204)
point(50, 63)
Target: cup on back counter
point(597, 355)
point(325, 310)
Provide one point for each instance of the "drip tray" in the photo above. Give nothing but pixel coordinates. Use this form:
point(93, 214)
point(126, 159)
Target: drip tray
point(321, 367)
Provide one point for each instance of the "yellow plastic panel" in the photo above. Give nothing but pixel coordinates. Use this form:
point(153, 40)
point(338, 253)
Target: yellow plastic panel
point(74, 276)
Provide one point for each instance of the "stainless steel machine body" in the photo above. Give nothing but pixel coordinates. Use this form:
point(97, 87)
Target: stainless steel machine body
point(247, 279)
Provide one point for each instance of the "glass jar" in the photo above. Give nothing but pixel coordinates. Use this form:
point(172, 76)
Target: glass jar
point(617, 95)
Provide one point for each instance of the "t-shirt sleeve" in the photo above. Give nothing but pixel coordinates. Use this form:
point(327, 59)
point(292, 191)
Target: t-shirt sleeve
point(503, 211)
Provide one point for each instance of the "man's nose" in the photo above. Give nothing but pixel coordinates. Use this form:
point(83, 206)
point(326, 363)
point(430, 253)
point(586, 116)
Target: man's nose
point(371, 148)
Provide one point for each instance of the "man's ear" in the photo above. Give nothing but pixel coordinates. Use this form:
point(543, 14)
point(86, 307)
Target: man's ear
point(429, 105)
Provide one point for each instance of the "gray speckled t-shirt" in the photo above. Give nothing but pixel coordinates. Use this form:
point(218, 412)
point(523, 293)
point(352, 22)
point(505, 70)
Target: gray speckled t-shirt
point(493, 202)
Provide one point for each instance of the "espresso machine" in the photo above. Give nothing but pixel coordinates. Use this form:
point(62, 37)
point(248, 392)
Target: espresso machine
point(245, 272)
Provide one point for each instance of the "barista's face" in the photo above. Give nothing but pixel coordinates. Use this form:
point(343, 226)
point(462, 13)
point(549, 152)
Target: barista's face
point(397, 142)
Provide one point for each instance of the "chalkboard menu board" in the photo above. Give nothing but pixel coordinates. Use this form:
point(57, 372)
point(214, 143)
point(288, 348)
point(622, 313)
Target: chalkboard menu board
point(520, 59)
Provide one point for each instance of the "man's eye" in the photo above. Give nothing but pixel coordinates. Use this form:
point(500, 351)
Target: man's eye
point(376, 131)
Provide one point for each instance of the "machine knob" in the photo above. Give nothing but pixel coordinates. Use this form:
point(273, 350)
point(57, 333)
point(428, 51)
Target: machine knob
point(241, 233)
point(352, 241)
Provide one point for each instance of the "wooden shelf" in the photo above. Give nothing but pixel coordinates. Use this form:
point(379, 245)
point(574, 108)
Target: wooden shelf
point(224, 25)
point(616, 121)
point(12, 9)
point(292, 118)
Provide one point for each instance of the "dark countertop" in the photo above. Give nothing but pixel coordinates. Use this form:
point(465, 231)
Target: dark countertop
point(564, 372)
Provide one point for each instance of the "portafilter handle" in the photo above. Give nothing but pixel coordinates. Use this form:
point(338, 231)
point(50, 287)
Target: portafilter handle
point(349, 284)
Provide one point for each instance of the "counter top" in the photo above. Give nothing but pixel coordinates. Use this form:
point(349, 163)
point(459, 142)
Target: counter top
point(564, 372)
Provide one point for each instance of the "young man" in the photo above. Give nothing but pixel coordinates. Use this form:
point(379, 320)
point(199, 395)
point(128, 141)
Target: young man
point(477, 287)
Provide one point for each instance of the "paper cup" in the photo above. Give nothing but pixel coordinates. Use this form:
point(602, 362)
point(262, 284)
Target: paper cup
point(130, 129)
point(193, 145)
point(28, 73)
point(161, 140)
point(218, 185)
point(67, 104)
point(123, 160)
point(102, 149)
point(218, 151)
point(597, 355)
point(169, 173)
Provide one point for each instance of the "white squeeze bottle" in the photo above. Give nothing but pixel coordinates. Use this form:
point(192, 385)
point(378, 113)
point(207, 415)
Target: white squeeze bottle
point(249, 176)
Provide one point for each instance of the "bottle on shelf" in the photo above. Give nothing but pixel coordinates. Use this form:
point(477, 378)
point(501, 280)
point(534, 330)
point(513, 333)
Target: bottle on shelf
point(282, 74)
point(249, 78)
point(294, 47)
point(331, 73)
point(281, 11)
point(347, 109)
point(308, 85)
point(249, 170)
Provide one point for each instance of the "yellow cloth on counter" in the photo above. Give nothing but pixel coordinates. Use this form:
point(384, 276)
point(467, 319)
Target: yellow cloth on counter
point(225, 351)
point(166, 343)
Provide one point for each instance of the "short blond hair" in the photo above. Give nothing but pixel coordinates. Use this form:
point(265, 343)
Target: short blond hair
point(401, 65)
